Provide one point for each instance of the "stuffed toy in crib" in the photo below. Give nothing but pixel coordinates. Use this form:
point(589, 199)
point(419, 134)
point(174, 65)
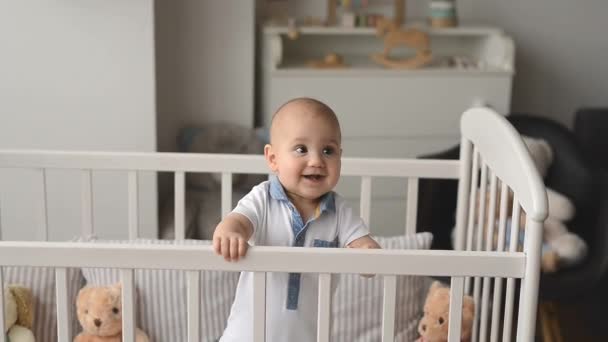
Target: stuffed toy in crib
point(203, 190)
point(433, 326)
point(561, 248)
point(18, 314)
point(99, 311)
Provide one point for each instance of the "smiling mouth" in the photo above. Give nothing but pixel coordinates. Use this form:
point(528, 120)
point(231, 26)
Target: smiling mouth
point(314, 177)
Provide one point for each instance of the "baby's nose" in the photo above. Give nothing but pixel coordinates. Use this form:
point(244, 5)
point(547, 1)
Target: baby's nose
point(97, 322)
point(316, 159)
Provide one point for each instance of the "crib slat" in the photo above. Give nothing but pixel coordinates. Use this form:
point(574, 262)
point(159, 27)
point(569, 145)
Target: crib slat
point(508, 319)
point(128, 305)
point(63, 306)
point(500, 245)
point(463, 200)
point(478, 246)
point(471, 216)
point(133, 206)
point(86, 195)
point(194, 306)
point(324, 307)
point(179, 211)
point(226, 193)
point(388, 308)
point(485, 291)
point(510, 294)
point(496, 307)
point(456, 298)
point(366, 198)
point(485, 309)
point(2, 337)
point(44, 214)
point(259, 306)
point(491, 222)
point(412, 205)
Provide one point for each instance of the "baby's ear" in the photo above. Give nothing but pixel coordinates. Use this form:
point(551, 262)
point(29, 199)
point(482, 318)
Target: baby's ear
point(271, 157)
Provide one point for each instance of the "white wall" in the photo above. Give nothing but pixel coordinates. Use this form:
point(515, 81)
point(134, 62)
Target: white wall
point(205, 64)
point(76, 75)
point(561, 52)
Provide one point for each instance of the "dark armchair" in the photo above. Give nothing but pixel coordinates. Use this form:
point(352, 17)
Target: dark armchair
point(571, 174)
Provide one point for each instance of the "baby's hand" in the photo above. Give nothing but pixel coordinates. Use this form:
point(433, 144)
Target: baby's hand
point(231, 236)
point(365, 242)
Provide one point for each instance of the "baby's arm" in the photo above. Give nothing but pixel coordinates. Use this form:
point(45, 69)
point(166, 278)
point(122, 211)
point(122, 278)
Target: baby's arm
point(364, 242)
point(231, 236)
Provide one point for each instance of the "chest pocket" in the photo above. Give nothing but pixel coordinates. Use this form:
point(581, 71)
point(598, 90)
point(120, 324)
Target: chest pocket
point(325, 243)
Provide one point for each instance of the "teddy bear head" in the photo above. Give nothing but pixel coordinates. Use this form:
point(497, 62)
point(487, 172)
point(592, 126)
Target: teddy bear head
point(99, 310)
point(433, 326)
point(18, 307)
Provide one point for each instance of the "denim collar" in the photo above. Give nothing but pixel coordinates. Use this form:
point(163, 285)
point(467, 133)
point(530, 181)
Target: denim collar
point(277, 192)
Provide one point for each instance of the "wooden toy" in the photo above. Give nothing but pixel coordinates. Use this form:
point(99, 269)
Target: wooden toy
point(331, 61)
point(393, 37)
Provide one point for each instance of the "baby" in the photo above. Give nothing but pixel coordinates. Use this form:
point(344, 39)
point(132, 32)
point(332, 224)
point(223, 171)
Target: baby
point(296, 207)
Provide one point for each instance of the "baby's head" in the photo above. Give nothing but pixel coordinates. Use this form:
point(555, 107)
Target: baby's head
point(305, 148)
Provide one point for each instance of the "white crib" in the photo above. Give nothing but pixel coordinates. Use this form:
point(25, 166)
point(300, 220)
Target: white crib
point(480, 267)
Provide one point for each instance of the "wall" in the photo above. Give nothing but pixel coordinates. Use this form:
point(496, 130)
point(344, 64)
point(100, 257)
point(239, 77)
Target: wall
point(561, 53)
point(75, 75)
point(205, 66)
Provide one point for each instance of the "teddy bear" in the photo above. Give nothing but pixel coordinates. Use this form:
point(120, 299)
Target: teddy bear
point(433, 327)
point(18, 313)
point(99, 311)
point(561, 248)
point(203, 190)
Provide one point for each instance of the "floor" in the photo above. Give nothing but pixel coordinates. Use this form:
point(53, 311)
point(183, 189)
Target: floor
point(581, 322)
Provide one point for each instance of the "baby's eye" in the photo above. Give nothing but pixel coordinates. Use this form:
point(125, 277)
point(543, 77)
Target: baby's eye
point(328, 151)
point(301, 149)
point(86, 312)
point(115, 310)
point(440, 320)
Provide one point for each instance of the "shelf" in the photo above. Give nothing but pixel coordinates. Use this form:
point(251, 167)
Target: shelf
point(337, 30)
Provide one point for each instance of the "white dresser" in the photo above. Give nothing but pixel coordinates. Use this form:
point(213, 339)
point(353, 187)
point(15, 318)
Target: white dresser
point(388, 112)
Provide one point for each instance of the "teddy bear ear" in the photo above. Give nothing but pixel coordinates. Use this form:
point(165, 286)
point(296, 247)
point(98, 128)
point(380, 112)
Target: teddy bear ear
point(116, 289)
point(25, 305)
point(435, 286)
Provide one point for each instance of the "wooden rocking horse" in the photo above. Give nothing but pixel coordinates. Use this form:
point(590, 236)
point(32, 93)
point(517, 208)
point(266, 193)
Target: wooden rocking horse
point(394, 37)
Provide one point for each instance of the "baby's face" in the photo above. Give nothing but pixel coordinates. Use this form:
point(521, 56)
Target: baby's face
point(305, 155)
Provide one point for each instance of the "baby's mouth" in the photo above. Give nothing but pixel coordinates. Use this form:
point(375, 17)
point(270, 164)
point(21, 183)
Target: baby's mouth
point(314, 177)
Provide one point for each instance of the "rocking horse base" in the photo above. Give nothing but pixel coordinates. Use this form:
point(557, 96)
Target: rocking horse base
point(415, 62)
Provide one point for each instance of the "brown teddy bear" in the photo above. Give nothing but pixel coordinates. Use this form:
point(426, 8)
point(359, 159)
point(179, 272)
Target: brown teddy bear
point(433, 326)
point(99, 312)
point(18, 313)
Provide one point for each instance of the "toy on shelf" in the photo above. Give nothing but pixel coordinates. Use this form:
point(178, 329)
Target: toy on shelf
point(442, 13)
point(331, 60)
point(349, 18)
point(393, 37)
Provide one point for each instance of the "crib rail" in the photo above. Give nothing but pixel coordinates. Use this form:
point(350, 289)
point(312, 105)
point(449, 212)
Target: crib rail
point(192, 259)
point(211, 163)
point(264, 259)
